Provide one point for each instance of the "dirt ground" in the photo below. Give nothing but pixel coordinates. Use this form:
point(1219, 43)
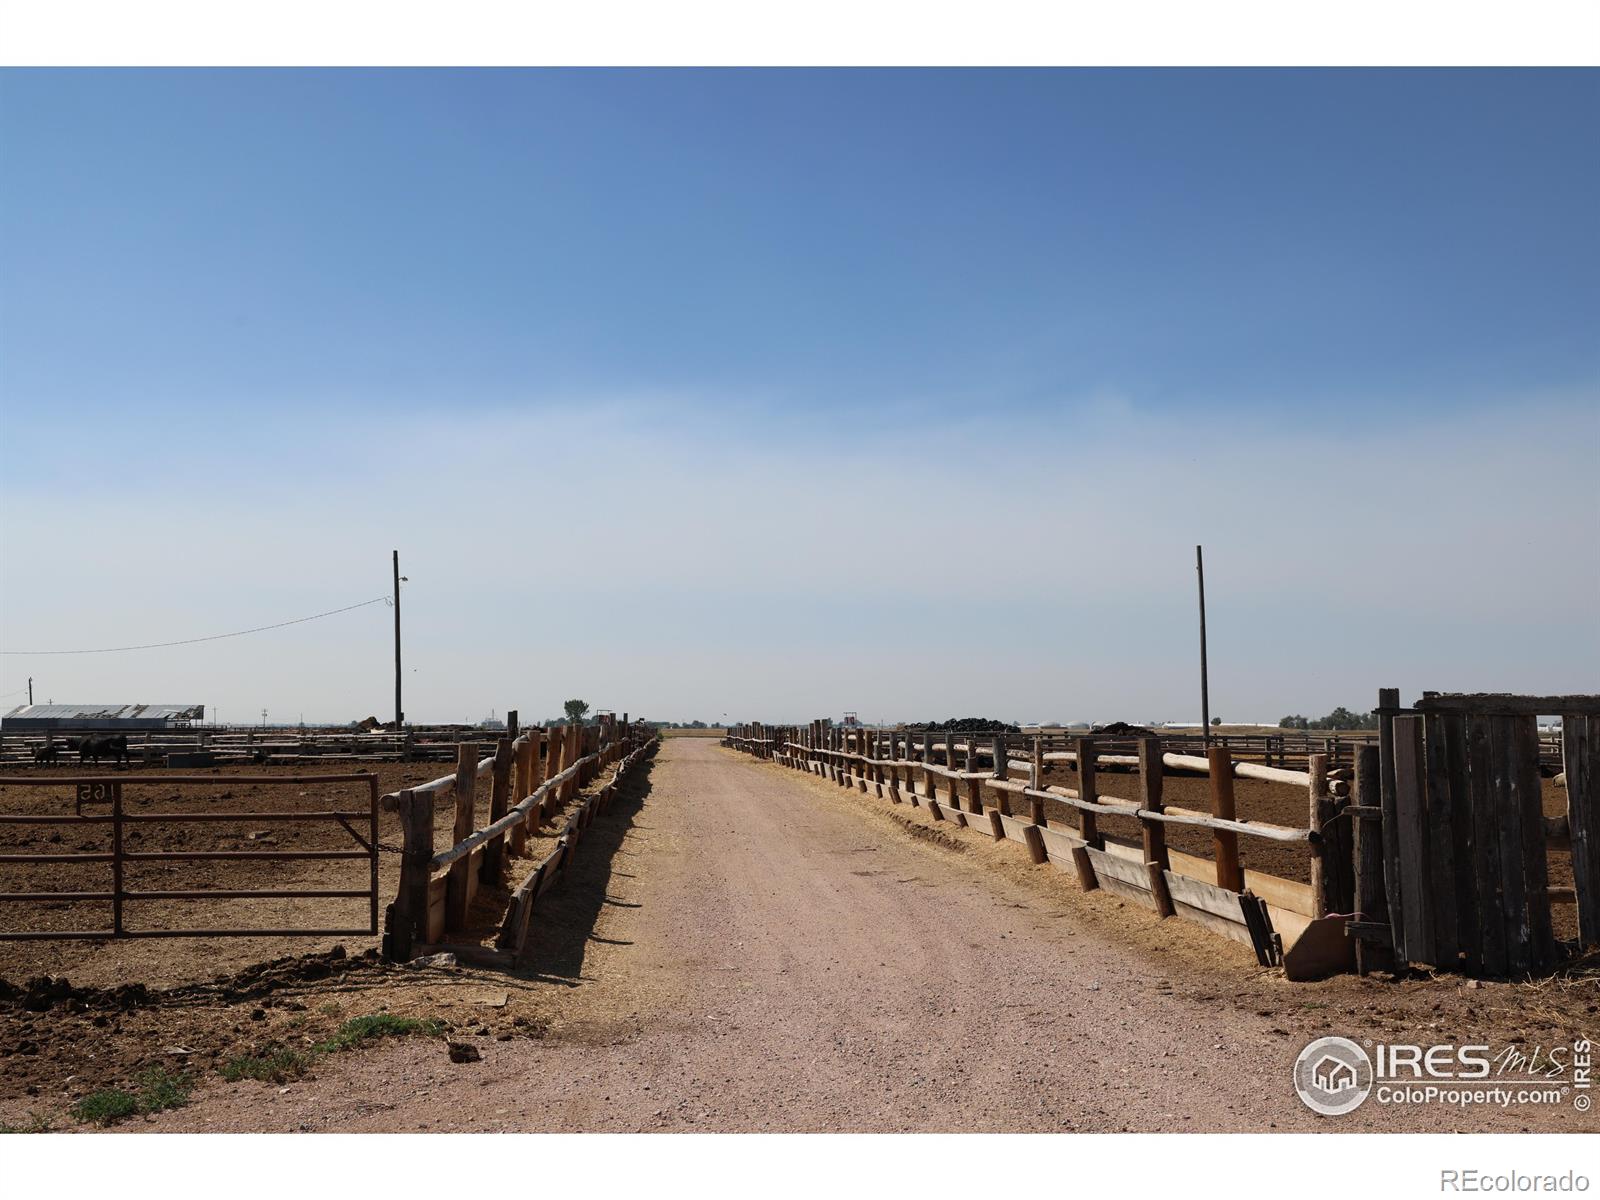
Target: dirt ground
point(742, 947)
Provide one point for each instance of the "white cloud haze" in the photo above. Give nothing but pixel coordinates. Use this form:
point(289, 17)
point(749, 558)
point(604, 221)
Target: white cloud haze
point(688, 561)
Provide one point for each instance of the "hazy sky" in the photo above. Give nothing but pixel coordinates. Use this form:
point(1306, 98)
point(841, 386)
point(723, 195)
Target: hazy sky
point(777, 394)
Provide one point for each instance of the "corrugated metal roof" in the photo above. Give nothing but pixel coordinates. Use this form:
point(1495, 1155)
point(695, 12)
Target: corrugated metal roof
point(108, 712)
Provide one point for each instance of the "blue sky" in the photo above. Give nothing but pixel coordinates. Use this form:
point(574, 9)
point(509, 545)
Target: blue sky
point(1308, 318)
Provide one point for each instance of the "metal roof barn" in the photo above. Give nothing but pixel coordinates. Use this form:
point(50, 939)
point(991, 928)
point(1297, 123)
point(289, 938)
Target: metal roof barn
point(39, 717)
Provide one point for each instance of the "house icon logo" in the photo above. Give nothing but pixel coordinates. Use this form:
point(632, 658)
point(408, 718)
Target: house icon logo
point(1333, 1075)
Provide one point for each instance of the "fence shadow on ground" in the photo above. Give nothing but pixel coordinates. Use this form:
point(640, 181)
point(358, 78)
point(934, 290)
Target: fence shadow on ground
point(563, 923)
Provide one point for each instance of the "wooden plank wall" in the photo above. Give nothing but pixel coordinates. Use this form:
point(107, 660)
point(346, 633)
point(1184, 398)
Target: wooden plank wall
point(1468, 840)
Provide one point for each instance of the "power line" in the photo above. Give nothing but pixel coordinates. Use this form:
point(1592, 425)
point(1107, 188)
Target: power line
point(215, 637)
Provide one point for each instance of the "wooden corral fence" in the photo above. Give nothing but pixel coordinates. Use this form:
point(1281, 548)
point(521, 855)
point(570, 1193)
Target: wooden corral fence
point(1297, 924)
point(359, 819)
point(1431, 848)
point(526, 792)
point(1462, 880)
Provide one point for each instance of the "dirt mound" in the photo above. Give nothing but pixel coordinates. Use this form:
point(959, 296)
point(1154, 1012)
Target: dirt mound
point(46, 992)
point(1122, 729)
point(964, 725)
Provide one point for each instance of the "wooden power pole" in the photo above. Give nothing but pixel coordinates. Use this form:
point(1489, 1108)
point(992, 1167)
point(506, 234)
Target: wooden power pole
point(1205, 692)
point(399, 713)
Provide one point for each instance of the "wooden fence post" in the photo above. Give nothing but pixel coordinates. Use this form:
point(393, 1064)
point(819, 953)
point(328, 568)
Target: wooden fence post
point(1580, 759)
point(894, 767)
point(1366, 811)
point(1333, 876)
point(527, 749)
point(1225, 842)
point(998, 771)
point(1394, 893)
point(1317, 794)
point(408, 915)
point(455, 894)
point(1410, 800)
point(1034, 840)
point(493, 869)
point(1088, 827)
point(575, 738)
point(1155, 833)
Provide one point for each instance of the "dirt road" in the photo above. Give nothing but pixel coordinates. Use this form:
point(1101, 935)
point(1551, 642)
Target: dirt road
point(773, 953)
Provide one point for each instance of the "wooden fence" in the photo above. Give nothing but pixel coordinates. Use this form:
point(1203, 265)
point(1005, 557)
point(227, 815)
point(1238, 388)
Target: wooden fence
point(1300, 925)
point(526, 792)
point(1409, 820)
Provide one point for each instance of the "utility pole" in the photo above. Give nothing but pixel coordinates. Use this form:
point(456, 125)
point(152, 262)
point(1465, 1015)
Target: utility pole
point(399, 714)
point(30, 691)
point(1205, 693)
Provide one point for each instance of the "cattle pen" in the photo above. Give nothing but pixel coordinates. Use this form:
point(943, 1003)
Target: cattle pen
point(276, 854)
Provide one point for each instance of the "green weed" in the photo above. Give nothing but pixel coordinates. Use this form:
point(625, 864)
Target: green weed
point(276, 1066)
point(159, 1090)
point(359, 1030)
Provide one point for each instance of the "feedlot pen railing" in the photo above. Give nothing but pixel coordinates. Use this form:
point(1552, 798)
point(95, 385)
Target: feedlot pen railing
point(108, 790)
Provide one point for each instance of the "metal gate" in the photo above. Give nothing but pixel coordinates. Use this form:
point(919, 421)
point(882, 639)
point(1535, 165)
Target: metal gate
point(1466, 840)
point(92, 793)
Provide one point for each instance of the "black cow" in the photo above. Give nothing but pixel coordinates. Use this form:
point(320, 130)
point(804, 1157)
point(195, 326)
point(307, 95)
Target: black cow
point(46, 754)
point(94, 746)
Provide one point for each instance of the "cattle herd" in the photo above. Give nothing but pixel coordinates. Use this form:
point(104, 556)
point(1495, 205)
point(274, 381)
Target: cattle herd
point(91, 748)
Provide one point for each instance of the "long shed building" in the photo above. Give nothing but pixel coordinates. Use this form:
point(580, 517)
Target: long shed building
point(40, 718)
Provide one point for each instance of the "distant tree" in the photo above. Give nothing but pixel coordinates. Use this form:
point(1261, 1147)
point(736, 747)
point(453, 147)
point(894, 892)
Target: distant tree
point(576, 710)
point(1340, 718)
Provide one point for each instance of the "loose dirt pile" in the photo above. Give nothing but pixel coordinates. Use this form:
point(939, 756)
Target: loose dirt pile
point(963, 725)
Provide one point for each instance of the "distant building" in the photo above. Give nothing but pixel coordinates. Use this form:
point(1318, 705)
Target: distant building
point(40, 718)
